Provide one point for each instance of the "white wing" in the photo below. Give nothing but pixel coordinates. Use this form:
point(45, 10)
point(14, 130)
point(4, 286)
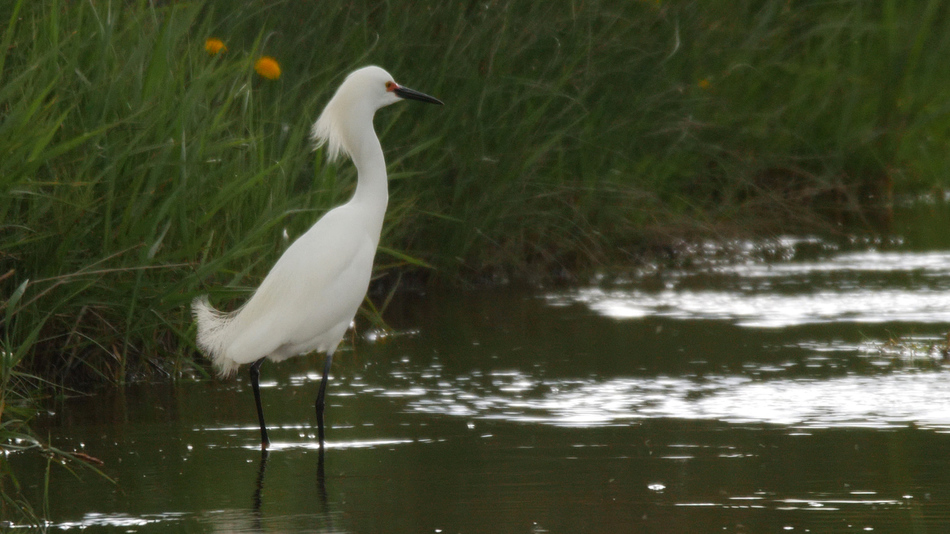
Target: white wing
point(312, 293)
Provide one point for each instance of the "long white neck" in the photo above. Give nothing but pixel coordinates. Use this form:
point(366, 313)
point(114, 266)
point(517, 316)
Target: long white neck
point(372, 187)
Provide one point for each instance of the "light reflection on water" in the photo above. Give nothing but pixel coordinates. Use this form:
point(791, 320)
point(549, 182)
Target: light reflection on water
point(859, 287)
point(931, 263)
point(851, 287)
point(770, 309)
point(889, 401)
point(121, 520)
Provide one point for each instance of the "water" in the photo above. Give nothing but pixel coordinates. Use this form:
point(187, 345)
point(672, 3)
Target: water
point(802, 389)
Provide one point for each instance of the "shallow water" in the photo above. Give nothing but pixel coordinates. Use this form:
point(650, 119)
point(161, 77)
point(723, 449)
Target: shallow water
point(799, 390)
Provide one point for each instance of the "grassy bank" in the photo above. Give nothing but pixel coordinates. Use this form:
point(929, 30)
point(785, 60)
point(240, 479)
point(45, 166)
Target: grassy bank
point(138, 170)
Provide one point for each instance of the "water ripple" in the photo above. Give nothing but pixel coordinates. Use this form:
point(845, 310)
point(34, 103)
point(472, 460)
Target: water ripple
point(869, 261)
point(859, 287)
point(769, 309)
point(889, 401)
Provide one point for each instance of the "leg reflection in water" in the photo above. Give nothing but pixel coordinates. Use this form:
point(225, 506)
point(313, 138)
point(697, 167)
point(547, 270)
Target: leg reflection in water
point(321, 488)
point(258, 488)
point(322, 484)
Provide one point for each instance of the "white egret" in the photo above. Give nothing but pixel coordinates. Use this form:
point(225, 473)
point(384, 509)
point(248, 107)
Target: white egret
point(308, 300)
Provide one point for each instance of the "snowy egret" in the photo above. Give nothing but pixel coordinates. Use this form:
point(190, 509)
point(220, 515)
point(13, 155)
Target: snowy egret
point(308, 300)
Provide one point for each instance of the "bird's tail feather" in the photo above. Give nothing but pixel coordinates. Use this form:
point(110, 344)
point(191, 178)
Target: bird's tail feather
point(212, 334)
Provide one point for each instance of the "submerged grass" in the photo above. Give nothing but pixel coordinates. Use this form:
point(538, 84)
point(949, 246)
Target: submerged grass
point(139, 170)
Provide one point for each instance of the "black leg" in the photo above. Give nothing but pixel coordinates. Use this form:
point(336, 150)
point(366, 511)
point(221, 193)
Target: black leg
point(320, 398)
point(255, 384)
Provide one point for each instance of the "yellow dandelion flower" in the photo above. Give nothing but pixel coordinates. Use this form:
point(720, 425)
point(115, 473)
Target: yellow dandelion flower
point(704, 83)
point(213, 46)
point(267, 67)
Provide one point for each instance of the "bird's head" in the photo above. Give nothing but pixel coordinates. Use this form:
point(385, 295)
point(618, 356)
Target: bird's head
point(363, 92)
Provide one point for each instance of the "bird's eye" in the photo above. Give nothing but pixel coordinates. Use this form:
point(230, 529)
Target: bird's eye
point(391, 86)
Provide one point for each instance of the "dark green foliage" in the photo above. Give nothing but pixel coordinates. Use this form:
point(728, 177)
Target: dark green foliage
point(138, 171)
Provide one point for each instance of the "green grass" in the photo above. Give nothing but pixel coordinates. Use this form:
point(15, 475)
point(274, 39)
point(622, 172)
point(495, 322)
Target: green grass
point(137, 171)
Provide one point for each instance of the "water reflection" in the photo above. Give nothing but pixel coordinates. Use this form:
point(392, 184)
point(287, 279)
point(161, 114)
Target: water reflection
point(259, 488)
point(326, 519)
point(894, 400)
point(771, 309)
point(859, 287)
point(120, 520)
point(934, 263)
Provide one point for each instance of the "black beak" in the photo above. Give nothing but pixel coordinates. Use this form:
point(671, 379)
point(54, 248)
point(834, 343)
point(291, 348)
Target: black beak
point(412, 94)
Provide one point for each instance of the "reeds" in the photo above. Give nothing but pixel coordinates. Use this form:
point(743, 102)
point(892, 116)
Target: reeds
point(139, 170)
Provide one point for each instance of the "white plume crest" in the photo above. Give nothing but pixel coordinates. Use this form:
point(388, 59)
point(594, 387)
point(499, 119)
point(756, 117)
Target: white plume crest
point(326, 131)
point(352, 107)
point(329, 130)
